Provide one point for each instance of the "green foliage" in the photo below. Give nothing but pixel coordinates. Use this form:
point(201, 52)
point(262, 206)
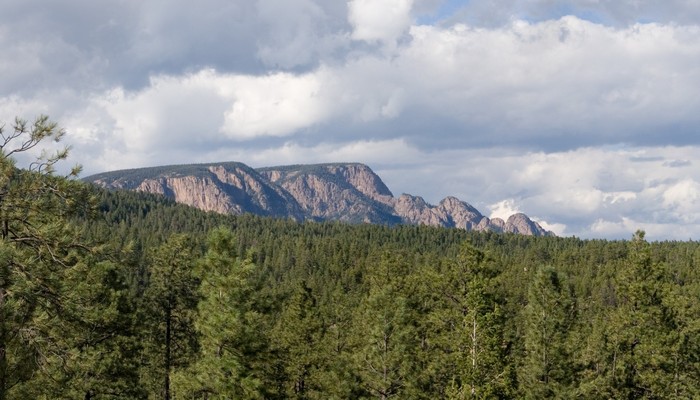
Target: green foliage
point(473, 326)
point(144, 298)
point(232, 338)
point(38, 245)
point(170, 301)
point(319, 298)
point(383, 332)
point(548, 370)
point(297, 341)
point(325, 295)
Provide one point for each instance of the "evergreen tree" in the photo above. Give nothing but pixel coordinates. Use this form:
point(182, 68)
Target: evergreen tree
point(683, 344)
point(632, 346)
point(547, 371)
point(472, 327)
point(170, 301)
point(383, 334)
point(321, 296)
point(232, 339)
point(335, 376)
point(99, 332)
point(37, 245)
point(298, 338)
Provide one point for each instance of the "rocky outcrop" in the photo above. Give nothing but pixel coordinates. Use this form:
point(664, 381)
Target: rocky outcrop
point(200, 192)
point(228, 188)
point(415, 210)
point(344, 192)
point(521, 223)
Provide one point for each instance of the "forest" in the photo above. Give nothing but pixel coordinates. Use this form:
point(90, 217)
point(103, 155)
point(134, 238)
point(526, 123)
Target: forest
point(124, 295)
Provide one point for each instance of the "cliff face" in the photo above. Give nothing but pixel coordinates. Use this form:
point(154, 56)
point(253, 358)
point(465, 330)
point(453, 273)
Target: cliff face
point(344, 192)
point(228, 188)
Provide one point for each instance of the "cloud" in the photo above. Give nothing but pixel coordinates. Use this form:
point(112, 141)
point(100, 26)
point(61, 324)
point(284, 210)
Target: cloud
point(172, 111)
point(301, 33)
point(382, 21)
point(610, 12)
point(566, 80)
point(551, 85)
point(580, 113)
point(369, 152)
point(503, 209)
point(677, 163)
point(274, 105)
point(683, 198)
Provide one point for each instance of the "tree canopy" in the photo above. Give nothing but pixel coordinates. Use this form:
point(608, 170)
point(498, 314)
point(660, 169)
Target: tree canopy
point(111, 294)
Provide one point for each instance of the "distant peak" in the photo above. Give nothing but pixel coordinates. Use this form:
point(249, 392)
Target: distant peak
point(347, 191)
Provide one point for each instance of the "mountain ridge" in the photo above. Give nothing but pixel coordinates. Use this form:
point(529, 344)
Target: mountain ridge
point(349, 192)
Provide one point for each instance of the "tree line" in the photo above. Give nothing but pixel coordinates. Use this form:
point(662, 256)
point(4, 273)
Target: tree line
point(107, 295)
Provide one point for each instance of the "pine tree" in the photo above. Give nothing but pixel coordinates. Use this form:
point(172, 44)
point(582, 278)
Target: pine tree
point(170, 301)
point(298, 338)
point(233, 342)
point(383, 334)
point(632, 349)
point(472, 327)
point(683, 342)
point(99, 332)
point(547, 371)
point(37, 245)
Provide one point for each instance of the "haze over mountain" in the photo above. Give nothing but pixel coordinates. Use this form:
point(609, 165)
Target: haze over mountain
point(349, 192)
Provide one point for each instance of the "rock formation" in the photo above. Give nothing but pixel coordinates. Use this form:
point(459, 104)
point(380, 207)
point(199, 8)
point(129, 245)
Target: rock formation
point(344, 192)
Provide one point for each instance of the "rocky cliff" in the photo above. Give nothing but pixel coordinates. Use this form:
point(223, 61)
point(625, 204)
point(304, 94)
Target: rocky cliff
point(227, 188)
point(345, 192)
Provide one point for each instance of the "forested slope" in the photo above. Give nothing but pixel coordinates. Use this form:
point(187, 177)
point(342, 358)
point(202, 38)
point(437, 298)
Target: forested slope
point(281, 309)
point(108, 295)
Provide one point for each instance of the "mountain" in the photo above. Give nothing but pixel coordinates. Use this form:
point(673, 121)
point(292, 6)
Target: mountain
point(349, 192)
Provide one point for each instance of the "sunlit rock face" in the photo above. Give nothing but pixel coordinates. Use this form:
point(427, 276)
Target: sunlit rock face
point(347, 192)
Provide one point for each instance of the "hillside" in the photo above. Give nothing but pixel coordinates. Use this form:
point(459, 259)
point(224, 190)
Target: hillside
point(349, 192)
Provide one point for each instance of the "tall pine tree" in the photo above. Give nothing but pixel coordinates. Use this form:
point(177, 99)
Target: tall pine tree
point(548, 369)
point(170, 302)
point(383, 334)
point(233, 341)
point(38, 244)
point(472, 326)
point(297, 338)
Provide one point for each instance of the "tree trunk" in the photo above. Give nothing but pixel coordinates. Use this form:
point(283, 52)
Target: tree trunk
point(3, 344)
point(167, 353)
point(474, 354)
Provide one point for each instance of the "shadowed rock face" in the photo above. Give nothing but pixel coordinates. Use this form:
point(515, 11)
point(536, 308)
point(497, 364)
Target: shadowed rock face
point(343, 192)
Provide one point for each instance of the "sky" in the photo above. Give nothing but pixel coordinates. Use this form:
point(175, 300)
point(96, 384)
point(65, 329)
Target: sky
point(583, 114)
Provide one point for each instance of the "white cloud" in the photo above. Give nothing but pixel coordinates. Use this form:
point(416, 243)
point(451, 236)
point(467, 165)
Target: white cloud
point(619, 197)
point(172, 111)
point(504, 209)
point(275, 105)
point(384, 21)
point(364, 151)
point(557, 84)
point(560, 76)
point(589, 125)
point(558, 228)
point(299, 32)
point(683, 198)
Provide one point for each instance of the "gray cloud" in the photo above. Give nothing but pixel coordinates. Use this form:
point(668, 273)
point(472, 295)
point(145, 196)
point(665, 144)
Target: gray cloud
point(587, 122)
point(678, 163)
